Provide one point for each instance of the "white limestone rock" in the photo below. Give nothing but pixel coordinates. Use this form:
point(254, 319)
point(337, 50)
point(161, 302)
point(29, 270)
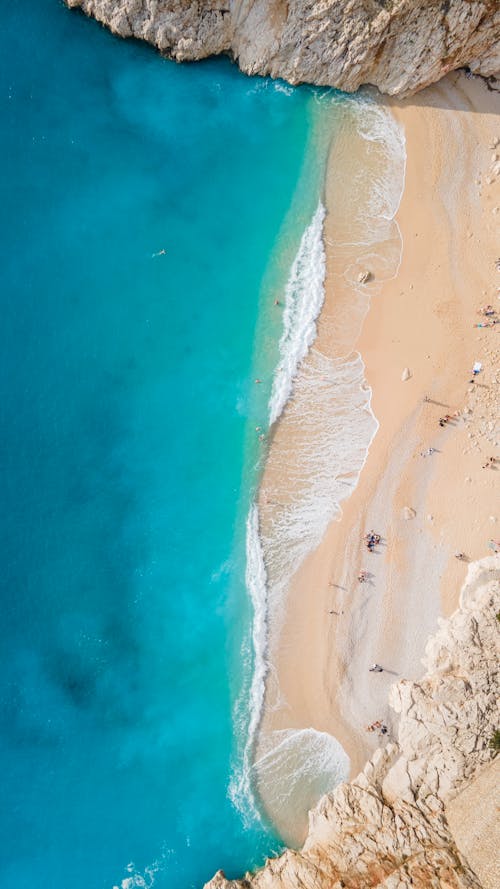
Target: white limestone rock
point(388, 826)
point(398, 45)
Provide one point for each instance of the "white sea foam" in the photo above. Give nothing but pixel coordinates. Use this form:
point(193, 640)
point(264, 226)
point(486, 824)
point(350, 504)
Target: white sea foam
point(296, 767)
point(329, 428)
point(304, 297)
point(141, 879)
point(365, 234)
point(281, 87)
point(380, 127)
point(240, 788)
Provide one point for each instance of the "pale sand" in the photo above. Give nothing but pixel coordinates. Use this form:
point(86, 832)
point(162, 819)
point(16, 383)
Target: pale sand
point(423, 319)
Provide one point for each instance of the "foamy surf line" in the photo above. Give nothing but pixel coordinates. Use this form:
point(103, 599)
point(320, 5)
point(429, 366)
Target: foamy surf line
point(304, 298)
point(329, 424)
point(240, 787)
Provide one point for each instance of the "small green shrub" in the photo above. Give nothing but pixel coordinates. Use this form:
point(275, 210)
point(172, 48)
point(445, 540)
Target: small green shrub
point(495, 740)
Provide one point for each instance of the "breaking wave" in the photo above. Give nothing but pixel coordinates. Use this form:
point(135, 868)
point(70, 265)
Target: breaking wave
point(240, 788)
point(304, 297)
point(329, 428)
point(297, 766)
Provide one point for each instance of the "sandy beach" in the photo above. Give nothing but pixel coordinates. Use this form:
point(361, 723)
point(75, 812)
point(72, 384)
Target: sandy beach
point(426, 506)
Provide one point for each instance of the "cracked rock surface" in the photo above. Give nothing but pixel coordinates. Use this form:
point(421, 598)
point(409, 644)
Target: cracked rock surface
point(398, 45)
point(388, 827)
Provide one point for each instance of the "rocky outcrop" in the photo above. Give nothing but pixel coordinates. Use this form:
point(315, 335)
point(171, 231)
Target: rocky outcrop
point(398, 45)
point(388, 827)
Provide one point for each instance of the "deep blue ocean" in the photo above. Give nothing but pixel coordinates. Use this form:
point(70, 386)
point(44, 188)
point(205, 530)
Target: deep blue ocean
point(128, 454)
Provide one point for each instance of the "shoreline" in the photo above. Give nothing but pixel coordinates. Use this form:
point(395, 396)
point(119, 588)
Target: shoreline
point(422, 319)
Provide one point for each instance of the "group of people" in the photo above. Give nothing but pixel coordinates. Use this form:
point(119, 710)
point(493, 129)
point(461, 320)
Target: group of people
point(448, 418)
point(371, 540)
point(490, 314)
point(377, 726)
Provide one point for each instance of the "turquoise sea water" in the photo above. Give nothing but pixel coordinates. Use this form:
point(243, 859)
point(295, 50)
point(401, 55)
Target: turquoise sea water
point(126, 403)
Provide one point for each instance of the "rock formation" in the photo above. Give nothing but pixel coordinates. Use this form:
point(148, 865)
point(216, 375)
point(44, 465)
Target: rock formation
point(388, 827)
point(398, 45)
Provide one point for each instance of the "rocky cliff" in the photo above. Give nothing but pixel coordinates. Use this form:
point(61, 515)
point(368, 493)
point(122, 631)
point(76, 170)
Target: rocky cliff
point(389, 827)
point(398, 45)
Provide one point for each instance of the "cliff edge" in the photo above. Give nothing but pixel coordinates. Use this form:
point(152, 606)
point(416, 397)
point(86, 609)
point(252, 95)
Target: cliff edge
point(390, 827)
point(397, 45)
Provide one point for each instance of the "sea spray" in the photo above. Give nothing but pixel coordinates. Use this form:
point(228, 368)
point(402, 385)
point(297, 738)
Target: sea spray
point(304, 297)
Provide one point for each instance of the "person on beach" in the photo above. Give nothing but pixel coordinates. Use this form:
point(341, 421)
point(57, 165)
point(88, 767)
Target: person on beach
point(363, 576)
point(376, 668)
point(377, 726)
point(461, 557)
point(371, 540)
